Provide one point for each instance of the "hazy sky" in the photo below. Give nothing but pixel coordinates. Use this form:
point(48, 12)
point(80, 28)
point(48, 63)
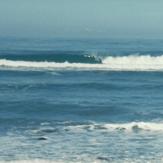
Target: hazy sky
point(82, 18)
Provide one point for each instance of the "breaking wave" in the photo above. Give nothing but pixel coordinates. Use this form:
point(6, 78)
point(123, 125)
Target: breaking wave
point(58, 57)
point(110, 63)
point(146, 126)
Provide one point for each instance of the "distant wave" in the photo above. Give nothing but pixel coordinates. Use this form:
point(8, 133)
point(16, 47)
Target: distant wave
point(111, 63)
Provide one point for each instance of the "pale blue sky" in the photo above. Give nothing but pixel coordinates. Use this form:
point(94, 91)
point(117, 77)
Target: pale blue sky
point(82, 18)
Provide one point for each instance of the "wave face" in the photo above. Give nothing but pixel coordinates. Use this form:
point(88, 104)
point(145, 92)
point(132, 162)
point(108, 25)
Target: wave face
point(117, 63)
point(58, 57)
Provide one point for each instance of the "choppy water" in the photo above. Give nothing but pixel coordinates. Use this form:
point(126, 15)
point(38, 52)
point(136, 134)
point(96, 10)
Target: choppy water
point(81, 100)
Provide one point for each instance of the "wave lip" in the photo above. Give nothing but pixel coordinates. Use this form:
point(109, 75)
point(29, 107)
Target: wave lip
point(118, 63)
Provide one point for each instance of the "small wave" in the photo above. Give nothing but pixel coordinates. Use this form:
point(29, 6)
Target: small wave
point(65, 161)
point(98, 160)
point(31, 161)
point(123, 63)
point(50, 161)
point(132, 126)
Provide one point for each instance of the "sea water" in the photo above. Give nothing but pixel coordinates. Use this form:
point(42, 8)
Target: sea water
point(84, 100)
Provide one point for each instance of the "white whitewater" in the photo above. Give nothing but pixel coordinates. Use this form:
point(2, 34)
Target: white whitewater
point(118, 63)
point(146, 126)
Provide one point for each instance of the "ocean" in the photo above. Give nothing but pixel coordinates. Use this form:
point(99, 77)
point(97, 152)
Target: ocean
point(81, 100)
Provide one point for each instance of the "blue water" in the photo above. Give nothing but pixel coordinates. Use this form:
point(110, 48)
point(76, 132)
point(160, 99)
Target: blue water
point(81, 100)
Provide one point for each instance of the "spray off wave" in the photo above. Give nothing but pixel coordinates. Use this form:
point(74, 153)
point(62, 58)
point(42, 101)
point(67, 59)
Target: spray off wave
point(111, 63)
